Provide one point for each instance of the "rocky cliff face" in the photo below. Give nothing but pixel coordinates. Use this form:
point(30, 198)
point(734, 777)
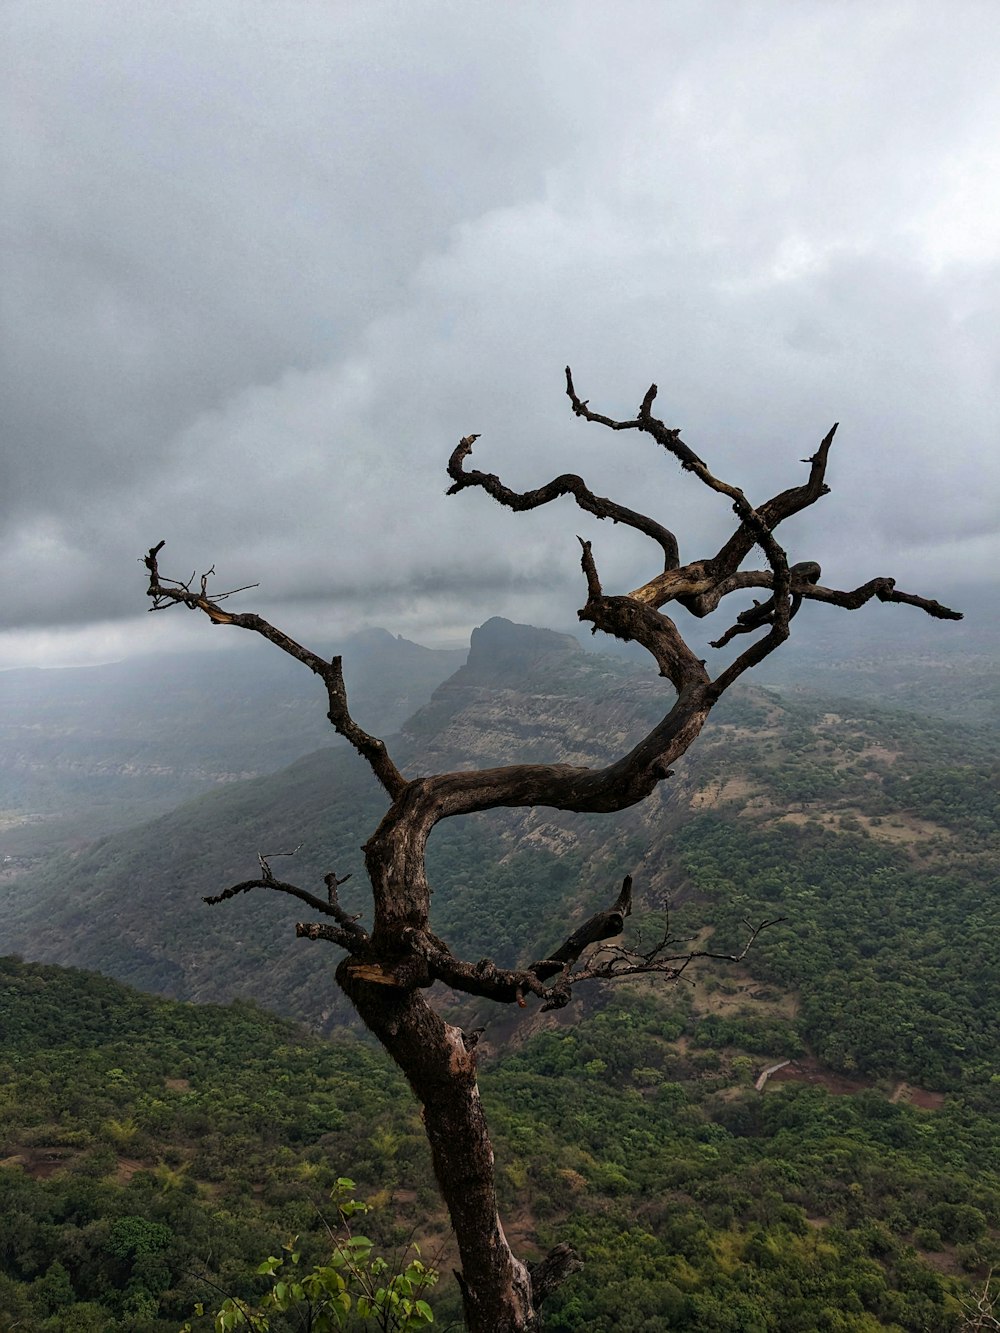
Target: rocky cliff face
point(527, 695)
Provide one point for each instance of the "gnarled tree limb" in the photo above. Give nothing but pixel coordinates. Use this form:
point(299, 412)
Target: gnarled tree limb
point(567, 484)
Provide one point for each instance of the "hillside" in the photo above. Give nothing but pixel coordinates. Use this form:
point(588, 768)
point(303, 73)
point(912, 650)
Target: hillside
point(135, 912)
point(857, 1188)
point(151, 1153)
point(873, 833)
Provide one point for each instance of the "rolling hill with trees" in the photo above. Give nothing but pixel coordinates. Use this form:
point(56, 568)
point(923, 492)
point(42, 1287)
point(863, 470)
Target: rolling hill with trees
point(857, 1190)
point(872, 832)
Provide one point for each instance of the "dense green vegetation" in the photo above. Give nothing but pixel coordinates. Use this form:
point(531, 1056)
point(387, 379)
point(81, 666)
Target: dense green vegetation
point(703, 1204)
point(150, 1149)
point(897, 968)
point(148, 1145)
point(154, 1152)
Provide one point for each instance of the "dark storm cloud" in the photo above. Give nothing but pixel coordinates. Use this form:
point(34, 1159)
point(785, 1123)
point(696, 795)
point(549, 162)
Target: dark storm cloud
point(265, 264)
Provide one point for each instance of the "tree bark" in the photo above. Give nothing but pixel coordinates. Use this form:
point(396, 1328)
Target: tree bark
point(496, 1286)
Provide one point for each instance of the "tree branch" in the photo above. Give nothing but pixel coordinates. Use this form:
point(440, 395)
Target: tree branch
point(601, 926)
point(168, 592)
point(561, 1262)
point(317, 930)
point(512, 985)
point(611, 963)
point(567, 484)
point(350, 935)
point(885, 591)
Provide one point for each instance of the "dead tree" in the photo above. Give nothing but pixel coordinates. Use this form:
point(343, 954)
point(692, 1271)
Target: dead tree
point(389, 968)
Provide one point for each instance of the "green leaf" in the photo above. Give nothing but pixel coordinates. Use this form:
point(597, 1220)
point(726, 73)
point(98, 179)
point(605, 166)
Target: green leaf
point(328, 1278)
point(422, 1308)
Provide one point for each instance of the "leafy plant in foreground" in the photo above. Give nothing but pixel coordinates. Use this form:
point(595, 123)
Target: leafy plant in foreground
point(354, 1289)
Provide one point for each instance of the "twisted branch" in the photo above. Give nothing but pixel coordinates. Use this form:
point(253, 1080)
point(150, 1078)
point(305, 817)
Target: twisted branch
point(700, 585)
point(567, 484)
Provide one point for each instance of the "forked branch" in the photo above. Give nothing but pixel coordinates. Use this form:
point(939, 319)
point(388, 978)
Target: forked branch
point(613, 962)
point(700, 585)
point(348, 934)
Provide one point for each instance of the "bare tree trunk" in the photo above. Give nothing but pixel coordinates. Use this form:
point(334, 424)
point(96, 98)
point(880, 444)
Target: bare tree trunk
point(496, 1286)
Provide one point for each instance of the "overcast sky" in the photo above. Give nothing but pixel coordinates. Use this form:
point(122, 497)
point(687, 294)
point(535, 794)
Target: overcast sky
point(264, 264)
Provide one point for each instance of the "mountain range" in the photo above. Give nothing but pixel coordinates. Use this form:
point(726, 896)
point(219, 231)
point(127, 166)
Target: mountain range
point(787, 806)
point(87, 750)
point(805, 1139)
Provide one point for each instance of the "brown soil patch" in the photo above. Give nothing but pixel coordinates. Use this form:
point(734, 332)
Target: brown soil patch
point(807, 1070)
point(39, 1163)
point(520, 1228)
point(901, 830)
point(880, 754)
point(919, 1097)
point(738, 992)
point(126, 1169)
point(943, 1261)
point(748, 997)
point(177, 1084)
point(818, 1222)
point(758, 805)
point(800, 817)
point(726, 732)
point(719, 793)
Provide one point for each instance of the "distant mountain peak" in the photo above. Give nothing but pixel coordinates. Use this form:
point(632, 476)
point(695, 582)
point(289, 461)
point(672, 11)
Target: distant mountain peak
point(374, 636)
point(501, 645)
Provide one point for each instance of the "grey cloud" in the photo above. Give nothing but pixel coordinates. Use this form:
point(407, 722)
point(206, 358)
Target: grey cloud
point(266, 270)
point(198, 202)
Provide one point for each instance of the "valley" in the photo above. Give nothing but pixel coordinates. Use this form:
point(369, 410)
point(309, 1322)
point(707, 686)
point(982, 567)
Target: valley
point(858, 1188)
